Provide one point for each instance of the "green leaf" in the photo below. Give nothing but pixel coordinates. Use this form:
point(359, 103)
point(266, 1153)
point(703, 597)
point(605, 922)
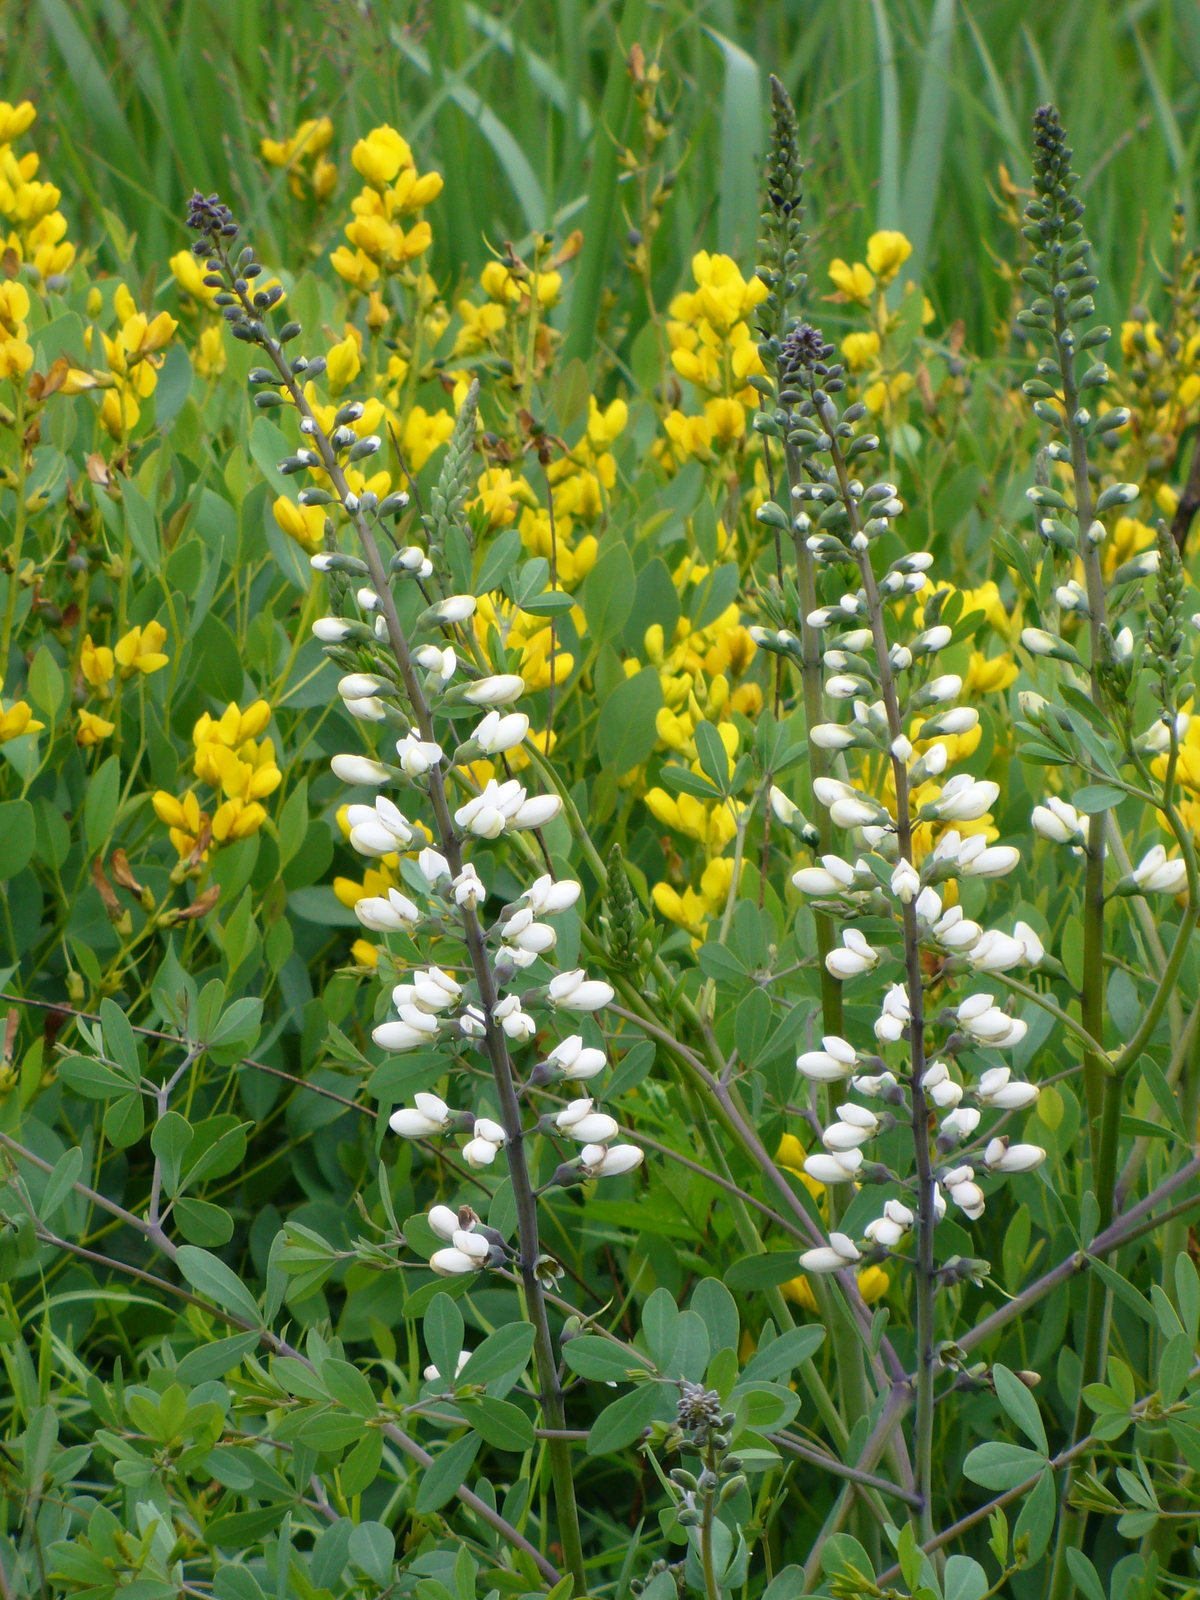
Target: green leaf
point(293, 823)
point(347, 1385)
point(1087, 1579)
point(46, 683)
point(500, 557)
point(373, 1548)
point(1036, 1521)
point(1187, 1292)
point(660, 1327)
point(627, 730)
point(18, 836)
point(1174, 1365)
point(100, 807)
point(60, 1182)
point(141, 526)
point(765, 1407)
point(500, 1423)
point(964, 1579)
point(1020, 1406)
point(1155, 1081)
point(443, 1325)
point(243, 1527)
point(1124, 1290)
point(443, 1478)
point(501, 1353)
point(125, 1121)
point(609, 592)
point(200, 1222)
point(619, 1424)
point(169, 1140)
point(999, 1465)
point(741, 146)
point(752, 1026)
point(714, 761)
point(766, 1270)
point(782, 1355)
point(92, 1079)
point(717, 1308)
point(361, 1467)
point(603, 1360)
point(1097, 797)
point(212, 1278)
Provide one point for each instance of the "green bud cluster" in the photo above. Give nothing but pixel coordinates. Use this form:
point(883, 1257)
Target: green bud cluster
point(1164, 633)
point(624, 919)
point(454, 480)
point(781, 244)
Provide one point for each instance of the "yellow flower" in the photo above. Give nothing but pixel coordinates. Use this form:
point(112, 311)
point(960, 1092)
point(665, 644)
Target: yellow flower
point(17, 720)
point(887, 251)
point(986, 676)
point(873, 1284)
point(1128, 537)
point(882, 396)
point(686, 910)
point(141, 337)
point(605, 427)
point(343, 364)
point(354, 266)
point(693, 435)
point(189, 274)
point(304, 524)
point(855, 282)
point(1166, 498)
point(237, 819)
point(380, 155)
point(727, 420)
point(91, 729)
point(14, 308)
point(377, 880)
point(480, 325)
point(423, 433)
point(860, 349)
point(96, 664)
point(364, 953)
point(15, 120)
point(183, 819)
point(141, 650)
point(210, 354)
point(1139, 336)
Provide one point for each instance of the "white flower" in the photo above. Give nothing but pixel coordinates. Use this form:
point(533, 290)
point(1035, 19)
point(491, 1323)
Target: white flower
point(928, 906)
point(1123, 644)
point(1000, 1156)
point(545, 897)
point(537, 938)
point(960, 719)
point(979, 1016)
point(1155, 874)
point(456, 608)
point(469, 892)
point(386, 915)
point(1159, 737)
point(368, 709)
point(831, 877)
point(832, 736)
point(452, 1263)
point(433, 866)
point(535, 813)
point(579, 1122)
point(874, 1085)
point(856, 957)
point(966, 1194)
point(940, 690)
point(1032, 945)
point(855, 1126)
point(966, 799)
point(360, 769)
point(785, 810)
point(417, 755)
point(380, 829)
point(432, 1373)
point(932, 640)
point(574, 1061)
point(479, 1152)
point(482, 815)
point(428, 1116)
point(994, 951)
point(1038, 642)
point(978, 859)
point(361, 685)
point(332, 630)
point(946, 1094)
point(853, 813)
point(496, 734)
point(472, 1024)
point(434, 990)
point(934, 760)
point(443, 1221)
point(890, 1228)
point(995, 1089)
point(838, 1166)
point(841, 1251)
point(604, 1161)
point(517, 1024)
point(500, 690)
point(575, 991)
point(961, 1122)
point(833, 1064)
point(906, 882)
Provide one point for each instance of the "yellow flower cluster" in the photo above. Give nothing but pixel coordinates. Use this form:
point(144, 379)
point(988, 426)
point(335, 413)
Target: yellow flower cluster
point(713, 348)
point(864, 352)
point(29, 208)
point(519, 630)
point(133, 353)
point(887, 251)
point(229, 761)
point(393, 192)
point(16, 353)
point(303, 158)
point(694, 910)
point(699, 673)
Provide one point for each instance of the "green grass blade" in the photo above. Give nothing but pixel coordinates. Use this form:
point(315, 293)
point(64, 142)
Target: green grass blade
point(1041, 76)
point(96, 96)
point(923, 174)
point(888, 212)
point(514, 163)
point(173, 107)
point(602, 189)
point(1163, 109)
point(1002, 106)
point(541, 73)
point(741, 150)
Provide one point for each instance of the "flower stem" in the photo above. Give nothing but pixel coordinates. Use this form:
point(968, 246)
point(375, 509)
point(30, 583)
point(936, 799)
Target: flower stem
point(14, 559)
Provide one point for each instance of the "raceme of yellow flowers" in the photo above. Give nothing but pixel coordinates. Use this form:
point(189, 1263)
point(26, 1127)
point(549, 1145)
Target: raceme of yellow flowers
point(241, 772)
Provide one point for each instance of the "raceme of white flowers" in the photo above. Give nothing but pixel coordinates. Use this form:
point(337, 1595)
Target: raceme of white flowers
point(880, 882)
point(433, 1005)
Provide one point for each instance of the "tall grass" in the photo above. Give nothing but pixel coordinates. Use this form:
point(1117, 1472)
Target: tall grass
point(922, 99)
